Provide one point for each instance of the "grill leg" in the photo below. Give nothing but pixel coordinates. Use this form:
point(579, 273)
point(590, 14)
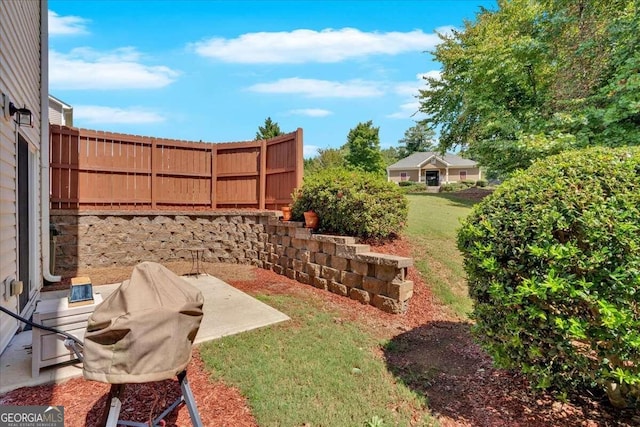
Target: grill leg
point(110, 417)
point(189, 400)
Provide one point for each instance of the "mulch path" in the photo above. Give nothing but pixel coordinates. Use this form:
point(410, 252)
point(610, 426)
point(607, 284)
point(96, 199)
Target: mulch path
point(438, 359)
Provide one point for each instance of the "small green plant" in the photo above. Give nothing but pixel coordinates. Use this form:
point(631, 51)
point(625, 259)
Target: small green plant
point(406, 183)
point(353, 203)
point(553, 265)
point(468, 183)
point(375, 421)
point(481, 183)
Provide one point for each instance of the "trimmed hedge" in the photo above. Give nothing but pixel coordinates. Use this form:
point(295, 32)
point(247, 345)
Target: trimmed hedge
point(452, 186)
point(352, 203)
point(553, 264)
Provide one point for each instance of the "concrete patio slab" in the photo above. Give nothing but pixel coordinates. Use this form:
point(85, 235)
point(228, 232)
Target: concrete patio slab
point(227, 311)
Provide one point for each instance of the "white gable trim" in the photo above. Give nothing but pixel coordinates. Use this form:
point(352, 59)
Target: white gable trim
point(431, 157)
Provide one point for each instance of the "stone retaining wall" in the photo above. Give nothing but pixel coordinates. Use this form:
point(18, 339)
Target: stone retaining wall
point(338, 264)
point(102, 239)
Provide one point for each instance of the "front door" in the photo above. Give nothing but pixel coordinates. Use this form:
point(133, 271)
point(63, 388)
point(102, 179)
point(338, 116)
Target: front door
point(24, 249)
point(432, 178)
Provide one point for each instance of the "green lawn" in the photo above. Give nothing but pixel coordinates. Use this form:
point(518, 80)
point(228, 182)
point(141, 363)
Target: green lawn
point(314, 370)
point(318, 370)
point(432, 226)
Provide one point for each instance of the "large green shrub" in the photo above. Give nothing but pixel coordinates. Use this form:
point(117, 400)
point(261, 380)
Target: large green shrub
point(352, 203)
point(553, 264)
point(412, 187)
point(452, 186)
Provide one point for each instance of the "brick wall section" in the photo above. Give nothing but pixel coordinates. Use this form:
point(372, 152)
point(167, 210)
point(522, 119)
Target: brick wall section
point(334, 263)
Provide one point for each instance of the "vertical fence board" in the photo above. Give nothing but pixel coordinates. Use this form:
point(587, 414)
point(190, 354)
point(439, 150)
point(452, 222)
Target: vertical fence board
point(102, 170)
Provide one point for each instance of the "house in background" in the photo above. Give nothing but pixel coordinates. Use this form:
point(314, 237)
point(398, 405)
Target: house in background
point(24, 161)
point(434, 169)
point(60, 113)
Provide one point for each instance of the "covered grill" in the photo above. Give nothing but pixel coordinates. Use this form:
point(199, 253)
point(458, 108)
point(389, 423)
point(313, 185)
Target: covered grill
point(144, 332)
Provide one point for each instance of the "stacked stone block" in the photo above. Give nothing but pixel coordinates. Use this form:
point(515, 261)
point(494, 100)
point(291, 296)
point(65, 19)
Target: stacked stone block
point(338, 264)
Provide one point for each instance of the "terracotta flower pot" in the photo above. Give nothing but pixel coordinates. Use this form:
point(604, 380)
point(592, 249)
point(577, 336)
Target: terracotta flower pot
point(286, 213)
point(310, 219)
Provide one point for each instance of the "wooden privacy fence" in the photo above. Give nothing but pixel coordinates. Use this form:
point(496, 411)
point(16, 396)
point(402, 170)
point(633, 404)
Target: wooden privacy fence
point(95, 170)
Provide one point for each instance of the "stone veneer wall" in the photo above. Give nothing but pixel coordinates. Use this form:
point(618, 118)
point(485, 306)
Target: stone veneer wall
point(93, 239)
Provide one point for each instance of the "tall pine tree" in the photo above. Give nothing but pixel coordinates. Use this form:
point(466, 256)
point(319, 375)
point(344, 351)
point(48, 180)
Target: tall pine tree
point(269, 130)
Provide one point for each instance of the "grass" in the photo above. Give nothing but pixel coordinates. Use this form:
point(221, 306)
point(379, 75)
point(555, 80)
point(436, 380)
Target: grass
point(314, 370)
point(317, 370)
point(433, 222)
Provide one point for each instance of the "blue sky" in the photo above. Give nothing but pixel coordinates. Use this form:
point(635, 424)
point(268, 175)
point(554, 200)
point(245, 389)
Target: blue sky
point(214, 70)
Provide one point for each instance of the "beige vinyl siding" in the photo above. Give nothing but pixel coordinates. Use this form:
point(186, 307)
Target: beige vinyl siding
point(473, 174)
point(454, 173)
point(412, 175)
point(20, 80)
point(55, 114)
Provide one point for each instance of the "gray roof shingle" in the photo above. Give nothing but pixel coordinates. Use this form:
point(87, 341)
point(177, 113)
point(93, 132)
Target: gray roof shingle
point(416, 160)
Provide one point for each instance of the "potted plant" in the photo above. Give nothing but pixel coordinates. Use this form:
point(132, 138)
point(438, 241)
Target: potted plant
point(310, 219)
point(302, 207)
point(286, 213)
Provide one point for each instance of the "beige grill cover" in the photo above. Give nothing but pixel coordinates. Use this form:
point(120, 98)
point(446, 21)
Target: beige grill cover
point(144, 330)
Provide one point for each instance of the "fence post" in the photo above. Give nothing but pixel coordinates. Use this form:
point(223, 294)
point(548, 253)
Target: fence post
point(154, 184)
point(299, 153)
point(214, 179)
point(263, 174)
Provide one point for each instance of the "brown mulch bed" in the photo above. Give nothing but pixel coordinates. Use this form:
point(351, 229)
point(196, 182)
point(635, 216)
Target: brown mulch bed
point(435, 356)
point(84, 401)
point(473, 193)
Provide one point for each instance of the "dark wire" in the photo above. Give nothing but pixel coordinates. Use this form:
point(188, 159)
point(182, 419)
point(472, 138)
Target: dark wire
point(46, 328)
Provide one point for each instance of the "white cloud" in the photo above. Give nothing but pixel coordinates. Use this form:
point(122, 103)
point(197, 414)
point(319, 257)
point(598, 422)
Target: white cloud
point(407, 88)
point(309, 151)
point(320, 88)
point(302, 45)
point(434, 74)
point(66, 25)
point(408, 110)
point(95, 114)
point(310, 112)
point(446, 30)
point(412, 88)
point(84, 68)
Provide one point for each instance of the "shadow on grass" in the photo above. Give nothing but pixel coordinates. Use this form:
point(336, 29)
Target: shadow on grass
point(440, 361)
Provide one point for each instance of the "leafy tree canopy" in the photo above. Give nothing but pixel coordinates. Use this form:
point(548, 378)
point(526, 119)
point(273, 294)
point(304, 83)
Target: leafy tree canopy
point(269, 130)
point(417, 138)
point(327, 158)
point(363, 145)
point(534, 78)
point(390, 155)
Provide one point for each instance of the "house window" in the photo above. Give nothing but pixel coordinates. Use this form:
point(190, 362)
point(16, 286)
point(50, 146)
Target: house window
point(404, 176)
point(463, 175)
